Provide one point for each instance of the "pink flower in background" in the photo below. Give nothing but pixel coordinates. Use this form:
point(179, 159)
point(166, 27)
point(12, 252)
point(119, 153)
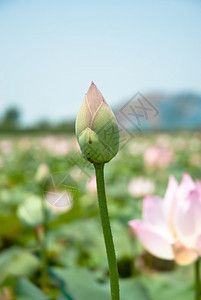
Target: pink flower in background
point(140, 187)
point(59, 201)
point(171, 227)
point(57, 145)
point(158, 157)
point(6, 146)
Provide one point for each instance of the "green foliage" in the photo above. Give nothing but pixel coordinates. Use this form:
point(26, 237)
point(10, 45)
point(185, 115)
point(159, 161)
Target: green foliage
point(171, 285)
point(17, 262)
point(80, 283)
point(26, 290)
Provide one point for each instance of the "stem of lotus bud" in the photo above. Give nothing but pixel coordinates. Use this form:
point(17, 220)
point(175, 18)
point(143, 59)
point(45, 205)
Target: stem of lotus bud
point(112, 262)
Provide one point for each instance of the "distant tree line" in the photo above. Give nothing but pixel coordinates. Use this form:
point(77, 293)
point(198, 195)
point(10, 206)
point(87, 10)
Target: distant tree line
point(10, 122)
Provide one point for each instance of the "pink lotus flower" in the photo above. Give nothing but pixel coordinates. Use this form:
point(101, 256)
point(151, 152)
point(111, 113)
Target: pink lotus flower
point(171, 227)
point(158, 157)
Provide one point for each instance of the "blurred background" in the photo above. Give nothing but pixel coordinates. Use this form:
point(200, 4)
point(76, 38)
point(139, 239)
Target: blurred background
point(144, 56)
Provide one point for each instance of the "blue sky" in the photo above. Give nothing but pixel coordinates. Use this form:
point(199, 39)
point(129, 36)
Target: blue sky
point(50, 51)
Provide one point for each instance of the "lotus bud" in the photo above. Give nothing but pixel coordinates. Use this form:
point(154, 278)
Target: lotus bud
point(96, 128)
point(42, 172)
point(31, 212)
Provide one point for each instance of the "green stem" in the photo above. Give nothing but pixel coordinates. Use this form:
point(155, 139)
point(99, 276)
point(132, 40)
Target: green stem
point(40, 233)
point(44, 276)
point(112, 262)
point(133, 258)
point(197, 279)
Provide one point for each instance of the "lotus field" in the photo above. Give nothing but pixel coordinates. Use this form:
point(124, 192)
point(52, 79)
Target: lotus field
point(51, 239)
